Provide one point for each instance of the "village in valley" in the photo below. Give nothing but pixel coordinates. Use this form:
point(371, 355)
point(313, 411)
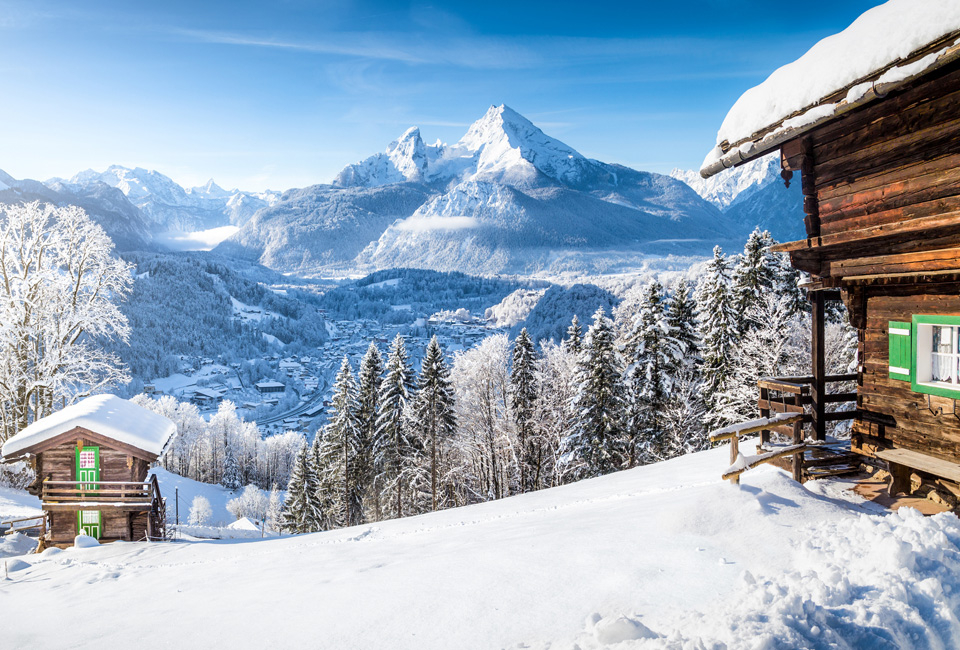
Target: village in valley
point(491, 392)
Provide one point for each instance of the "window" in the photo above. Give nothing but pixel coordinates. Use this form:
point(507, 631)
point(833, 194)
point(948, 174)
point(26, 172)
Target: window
point(932, 358)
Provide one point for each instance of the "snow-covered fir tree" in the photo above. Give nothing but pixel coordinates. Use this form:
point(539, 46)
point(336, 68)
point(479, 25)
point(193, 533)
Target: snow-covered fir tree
point(682, 321)
point(596, 446)
point(338, 452)
point(523, 402)
point(371, 376)
point(653, 359)
point(435, 421)
point(717, 322)
point(574, 340)
point(392, 446)
point(754, 276)
point(301, 512)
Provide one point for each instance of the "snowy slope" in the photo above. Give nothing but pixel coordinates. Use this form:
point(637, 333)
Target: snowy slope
point(505, 198)
point(666, 551)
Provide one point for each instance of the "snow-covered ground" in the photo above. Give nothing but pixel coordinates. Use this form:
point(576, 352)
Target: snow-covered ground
point(661, 556)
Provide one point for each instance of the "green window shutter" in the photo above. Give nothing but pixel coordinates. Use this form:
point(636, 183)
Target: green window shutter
point(900, 353)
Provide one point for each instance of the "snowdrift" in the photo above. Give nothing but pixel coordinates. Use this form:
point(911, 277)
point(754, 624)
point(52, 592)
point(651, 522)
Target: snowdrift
point(661, 556)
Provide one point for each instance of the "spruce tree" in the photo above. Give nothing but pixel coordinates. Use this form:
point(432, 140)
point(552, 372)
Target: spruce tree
point(718, 330)
point(433, 411)
point(574, 340)
point(523, 400)
point(337, 453)
point(753, 278)
point(301, 513)
point(596, 446)
point(392, 446)
point(682, 321)
point(653, 358)
point(371, 372)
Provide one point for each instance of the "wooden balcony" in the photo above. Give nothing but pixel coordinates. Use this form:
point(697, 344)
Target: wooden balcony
point(122, 495)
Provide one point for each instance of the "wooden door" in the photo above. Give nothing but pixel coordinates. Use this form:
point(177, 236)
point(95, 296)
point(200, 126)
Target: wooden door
point(89, 523)
point(88, 467)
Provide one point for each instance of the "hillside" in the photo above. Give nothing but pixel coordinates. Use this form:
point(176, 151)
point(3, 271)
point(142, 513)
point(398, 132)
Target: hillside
point(661, 556)
point(506, 198)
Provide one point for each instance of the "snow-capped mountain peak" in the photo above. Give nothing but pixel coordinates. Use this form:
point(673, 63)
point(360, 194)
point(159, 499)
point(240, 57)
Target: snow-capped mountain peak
point(733, 185)
point(502, 145)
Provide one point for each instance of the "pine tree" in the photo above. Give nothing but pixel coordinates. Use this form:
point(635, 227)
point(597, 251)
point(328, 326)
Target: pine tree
point(718, 329)
point(523, 399)
point(371, 373)
point(574, 340)
point(433, 411)
point(337, 453)
point(596, 447)
point(753, 278)
point(392, 446)
point(653, 357)
point(301, 513)
point(682, 321)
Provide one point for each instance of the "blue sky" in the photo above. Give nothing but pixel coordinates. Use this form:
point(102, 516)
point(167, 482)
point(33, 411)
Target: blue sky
point(285, 93)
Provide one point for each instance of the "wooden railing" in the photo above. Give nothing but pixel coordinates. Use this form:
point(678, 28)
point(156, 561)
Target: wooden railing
point(39, 522)
point(157, 519)
point(793, 394)
point(99, 491)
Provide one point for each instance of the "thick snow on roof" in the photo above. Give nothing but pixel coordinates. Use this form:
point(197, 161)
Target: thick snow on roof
point(875, 40)
point(107, 415)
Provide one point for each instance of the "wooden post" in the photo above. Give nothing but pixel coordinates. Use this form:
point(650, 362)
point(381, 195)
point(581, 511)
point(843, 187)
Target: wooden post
point(808, 187)
point(797, 439)
point(734, 454)
point(818, 348)
point(764, 413)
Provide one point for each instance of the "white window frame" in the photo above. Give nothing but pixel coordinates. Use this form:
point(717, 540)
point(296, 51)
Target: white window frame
point(925, 353)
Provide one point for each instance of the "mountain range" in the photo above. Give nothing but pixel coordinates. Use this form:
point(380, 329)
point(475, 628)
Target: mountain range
point(505, 198)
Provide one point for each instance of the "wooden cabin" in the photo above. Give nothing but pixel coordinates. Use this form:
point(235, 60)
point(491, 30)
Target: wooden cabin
point(878, 158)
point(91, 461)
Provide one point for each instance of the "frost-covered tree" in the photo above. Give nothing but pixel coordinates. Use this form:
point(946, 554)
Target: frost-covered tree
point(200, 511)
point(574, 340)
point(556, 409)
point(596, 446)
point(718, 329)
point(371, 376)
point(523, 400)
point(754, 276)
point(274, 509)
point(682, 418)
point(337, 450)
point(485, 441)
point(392, 445)
point(434, 418)
point(653, 359)
point(301, 511)
point(59, 288)
point(252, 504)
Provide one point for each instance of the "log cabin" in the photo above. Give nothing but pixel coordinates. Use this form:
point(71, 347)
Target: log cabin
point(870, 121)
point(91, 462)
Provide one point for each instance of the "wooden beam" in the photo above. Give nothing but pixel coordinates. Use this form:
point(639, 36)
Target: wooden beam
point(818, 355)
point(754, 426)
point(765, 458)
point(921, 462)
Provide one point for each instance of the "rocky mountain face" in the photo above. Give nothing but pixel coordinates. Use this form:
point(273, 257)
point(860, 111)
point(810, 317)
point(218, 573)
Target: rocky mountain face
point(166, 206)
point(106, 205)
point(753, 195)
point(505, 198)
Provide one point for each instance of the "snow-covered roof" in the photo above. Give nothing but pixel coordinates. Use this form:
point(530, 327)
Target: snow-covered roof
point(888, 45)
point(107, 415)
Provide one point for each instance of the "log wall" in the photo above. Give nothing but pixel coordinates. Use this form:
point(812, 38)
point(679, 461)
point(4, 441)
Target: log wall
point(129, 526)
point(60, 464)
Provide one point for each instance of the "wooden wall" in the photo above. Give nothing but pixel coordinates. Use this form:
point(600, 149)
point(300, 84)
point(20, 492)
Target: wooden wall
point(130, 526)
point(916, 427)
point(884, 181)
point(60, 464)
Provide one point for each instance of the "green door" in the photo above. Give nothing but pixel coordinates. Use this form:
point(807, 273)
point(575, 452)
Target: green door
point(88, 467)
point(88, 523)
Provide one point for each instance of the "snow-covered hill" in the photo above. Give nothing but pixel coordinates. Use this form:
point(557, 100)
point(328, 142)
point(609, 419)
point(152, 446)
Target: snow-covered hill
point(663, 556)
point(753, 195)
point(167, 206)
point(505, 198)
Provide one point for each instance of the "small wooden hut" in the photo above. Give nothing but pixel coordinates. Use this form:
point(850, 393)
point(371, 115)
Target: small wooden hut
point(91, 461)
point(870, 120)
